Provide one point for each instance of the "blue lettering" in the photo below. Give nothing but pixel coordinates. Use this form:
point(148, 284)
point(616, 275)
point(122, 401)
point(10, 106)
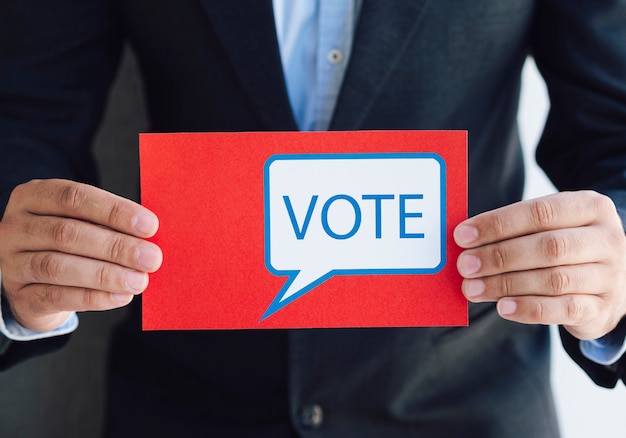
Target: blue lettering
point(357, 217)
point(404, 215)
point(300, 232)
point(377, 202)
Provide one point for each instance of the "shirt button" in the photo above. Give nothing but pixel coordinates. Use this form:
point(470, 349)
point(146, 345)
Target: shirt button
point(335, 56)
point(311, 416)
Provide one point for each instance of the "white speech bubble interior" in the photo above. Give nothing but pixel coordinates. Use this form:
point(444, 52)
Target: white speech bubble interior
point(352, 214)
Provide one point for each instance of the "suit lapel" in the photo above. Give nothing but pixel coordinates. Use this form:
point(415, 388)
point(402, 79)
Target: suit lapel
point(247, 32)
point(382, 35)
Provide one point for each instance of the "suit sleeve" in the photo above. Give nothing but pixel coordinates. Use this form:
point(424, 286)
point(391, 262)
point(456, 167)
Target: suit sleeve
point(580, 48)
point(603, 375)
point(57, 61)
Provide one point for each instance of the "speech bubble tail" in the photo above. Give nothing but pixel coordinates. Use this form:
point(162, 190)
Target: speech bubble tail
point(299, 283)
point(270, 311)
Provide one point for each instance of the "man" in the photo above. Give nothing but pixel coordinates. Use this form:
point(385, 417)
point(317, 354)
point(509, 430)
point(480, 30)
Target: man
point(226, 66)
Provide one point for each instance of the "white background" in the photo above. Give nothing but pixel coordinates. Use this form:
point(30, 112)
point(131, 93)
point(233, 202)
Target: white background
point(585, 410)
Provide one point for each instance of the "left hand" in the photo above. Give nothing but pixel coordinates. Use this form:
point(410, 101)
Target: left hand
point(560, 259)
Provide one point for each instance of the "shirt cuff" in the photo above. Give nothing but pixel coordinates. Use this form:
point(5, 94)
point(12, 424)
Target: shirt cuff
point(608, 349)
point(13, 330)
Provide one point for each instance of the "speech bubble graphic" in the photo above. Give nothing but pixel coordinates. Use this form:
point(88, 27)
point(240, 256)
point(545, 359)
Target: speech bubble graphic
point(352, 214)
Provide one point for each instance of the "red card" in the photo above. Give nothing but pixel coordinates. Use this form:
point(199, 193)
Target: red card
point(303, 230)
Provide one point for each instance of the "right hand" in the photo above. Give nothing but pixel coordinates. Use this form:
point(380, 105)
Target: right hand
point(66, 246)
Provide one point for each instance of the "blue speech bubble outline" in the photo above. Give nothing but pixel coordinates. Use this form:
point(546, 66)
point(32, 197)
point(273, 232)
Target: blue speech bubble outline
point(277, 304)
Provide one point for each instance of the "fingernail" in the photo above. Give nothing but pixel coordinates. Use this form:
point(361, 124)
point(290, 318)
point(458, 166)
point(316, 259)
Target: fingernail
point(146, 224)
point(149, 257)
point(122, 298)
point(468, 264)
point(136, 281)
point(507, 306)
point(465, 234)
point(473, 288)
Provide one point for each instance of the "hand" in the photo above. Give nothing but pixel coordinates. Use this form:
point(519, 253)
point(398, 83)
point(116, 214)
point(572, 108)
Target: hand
point(559, 259)
point(66, 246)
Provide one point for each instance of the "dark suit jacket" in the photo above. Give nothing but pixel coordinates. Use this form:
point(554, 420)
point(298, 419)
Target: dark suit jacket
point(212, 65)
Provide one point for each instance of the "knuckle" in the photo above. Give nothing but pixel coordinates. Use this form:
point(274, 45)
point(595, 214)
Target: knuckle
point(28, 187)
point(104, 276)
point(497, 226)
point(617, 239)
point(543, 213)
point(64, 234)
point(574, 309)
point(559, 282)
point(600, 203)
point(556, 247)
point(21, 190)
point(51, 296)
point(18, 194)
point(538, 311)
point(46, 267)
point(506, 286)
point(90, 299)
point(499, 258)
point(72, 196)
point(117, 248)
point(116, 213)
point(43, 298)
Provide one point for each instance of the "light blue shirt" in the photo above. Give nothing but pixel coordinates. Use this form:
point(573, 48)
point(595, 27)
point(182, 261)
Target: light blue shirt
point(607, 349)
point(315, 40)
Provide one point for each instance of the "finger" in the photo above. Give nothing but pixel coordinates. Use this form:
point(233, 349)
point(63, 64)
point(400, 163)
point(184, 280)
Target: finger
point(580, 314)
point(43, 307)
point(80, 201)
point(561, 210)
point(54, 298)
point(542, 250)
point(577, 279)
point(49, 233)
point(74, 271)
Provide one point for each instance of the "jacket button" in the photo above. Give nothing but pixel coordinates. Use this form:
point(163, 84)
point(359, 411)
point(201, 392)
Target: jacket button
point(311, 416)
